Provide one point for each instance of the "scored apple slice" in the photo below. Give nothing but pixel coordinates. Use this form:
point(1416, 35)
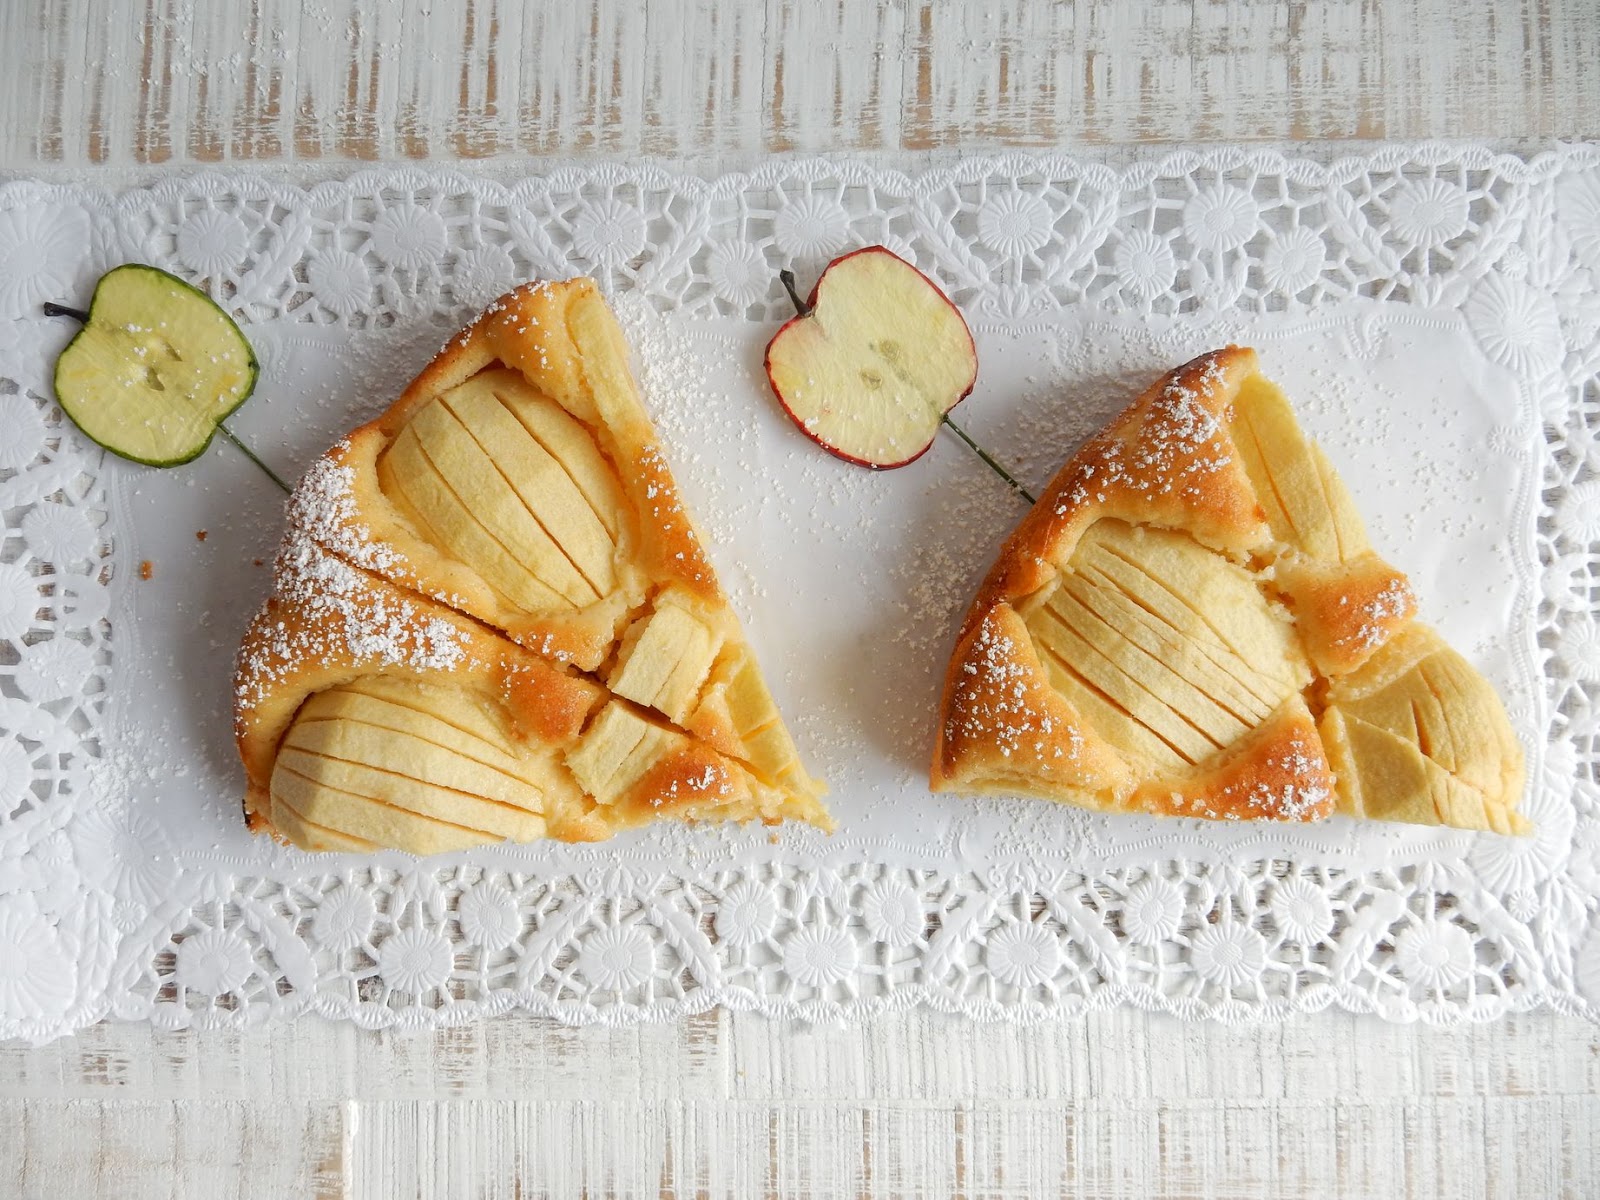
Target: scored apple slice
point(875, 361)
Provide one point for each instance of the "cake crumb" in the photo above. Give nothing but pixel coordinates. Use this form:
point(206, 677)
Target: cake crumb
point(147, 570)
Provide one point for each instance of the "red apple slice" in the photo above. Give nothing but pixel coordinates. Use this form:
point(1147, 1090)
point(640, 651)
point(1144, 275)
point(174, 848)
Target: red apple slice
point(881, 355)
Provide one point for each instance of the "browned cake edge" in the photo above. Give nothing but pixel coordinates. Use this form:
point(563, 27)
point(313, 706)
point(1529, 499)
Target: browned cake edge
point(340, 563)
point(1165, 461)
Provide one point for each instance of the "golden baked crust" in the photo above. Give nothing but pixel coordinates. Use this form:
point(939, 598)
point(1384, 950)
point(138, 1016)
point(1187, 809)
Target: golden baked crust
point(558, 342)
point(494, 618)
point(1191, 621)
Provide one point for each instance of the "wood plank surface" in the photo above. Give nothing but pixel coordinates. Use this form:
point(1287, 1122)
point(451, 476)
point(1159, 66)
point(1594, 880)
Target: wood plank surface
point(1119, 1104)
point(182, 81)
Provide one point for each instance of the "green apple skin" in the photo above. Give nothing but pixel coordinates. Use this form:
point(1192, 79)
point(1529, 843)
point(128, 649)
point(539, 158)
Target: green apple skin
point(156, 368)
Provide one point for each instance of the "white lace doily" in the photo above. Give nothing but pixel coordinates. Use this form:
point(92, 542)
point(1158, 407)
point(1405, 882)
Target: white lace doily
point(1446, 296)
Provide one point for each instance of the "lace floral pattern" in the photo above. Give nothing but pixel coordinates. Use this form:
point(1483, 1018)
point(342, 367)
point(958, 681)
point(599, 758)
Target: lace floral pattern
point(98, 916)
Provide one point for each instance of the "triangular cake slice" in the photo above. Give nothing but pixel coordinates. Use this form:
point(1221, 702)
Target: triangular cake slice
point(493, 617)
point(1192, 622)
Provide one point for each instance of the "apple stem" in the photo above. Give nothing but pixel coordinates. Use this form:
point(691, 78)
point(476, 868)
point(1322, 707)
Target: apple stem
point(786, 277)
point(251, 455)
point(989, 459)
point(77, 314)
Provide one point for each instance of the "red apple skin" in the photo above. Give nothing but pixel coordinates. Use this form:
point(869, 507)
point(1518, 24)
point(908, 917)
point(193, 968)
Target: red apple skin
point(811, 304)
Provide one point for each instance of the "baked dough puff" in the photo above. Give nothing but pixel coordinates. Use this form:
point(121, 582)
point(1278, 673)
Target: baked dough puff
point(1192, 621)
point(494, 619)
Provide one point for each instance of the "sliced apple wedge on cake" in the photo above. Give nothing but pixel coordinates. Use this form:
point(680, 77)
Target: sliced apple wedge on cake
point(1192, 622)
point(493, 617)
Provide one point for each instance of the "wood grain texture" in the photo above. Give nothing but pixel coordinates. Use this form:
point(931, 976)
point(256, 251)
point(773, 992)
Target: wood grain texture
point(727, 1105)
point(1117, 1104)
point(181, 81)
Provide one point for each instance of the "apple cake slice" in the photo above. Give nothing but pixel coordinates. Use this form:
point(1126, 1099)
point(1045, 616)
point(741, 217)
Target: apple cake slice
point(493, 617)
point(1192, 622)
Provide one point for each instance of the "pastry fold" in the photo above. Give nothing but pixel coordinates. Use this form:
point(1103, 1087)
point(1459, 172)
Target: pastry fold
point(1192, 622)
point(493, 617)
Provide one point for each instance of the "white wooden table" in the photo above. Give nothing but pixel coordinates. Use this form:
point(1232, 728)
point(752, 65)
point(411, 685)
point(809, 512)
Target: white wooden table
point(1117, 1104)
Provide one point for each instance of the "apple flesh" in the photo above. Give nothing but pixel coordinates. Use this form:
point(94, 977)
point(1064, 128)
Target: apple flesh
point(155, 369)
point(873, 366)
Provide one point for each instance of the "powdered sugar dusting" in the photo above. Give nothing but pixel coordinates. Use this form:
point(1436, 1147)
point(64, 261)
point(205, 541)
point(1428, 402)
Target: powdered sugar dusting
point(1393, 602)
point(1292, 785)
point(711, 781)
point(680, 393)
point(671, 518)
point(1304, 792)
point(1178, 444)
point(993, 703)
point(324, 505)
point(344, 617)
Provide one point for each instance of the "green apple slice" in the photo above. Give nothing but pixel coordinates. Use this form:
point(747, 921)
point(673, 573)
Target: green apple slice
point(155, 369)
